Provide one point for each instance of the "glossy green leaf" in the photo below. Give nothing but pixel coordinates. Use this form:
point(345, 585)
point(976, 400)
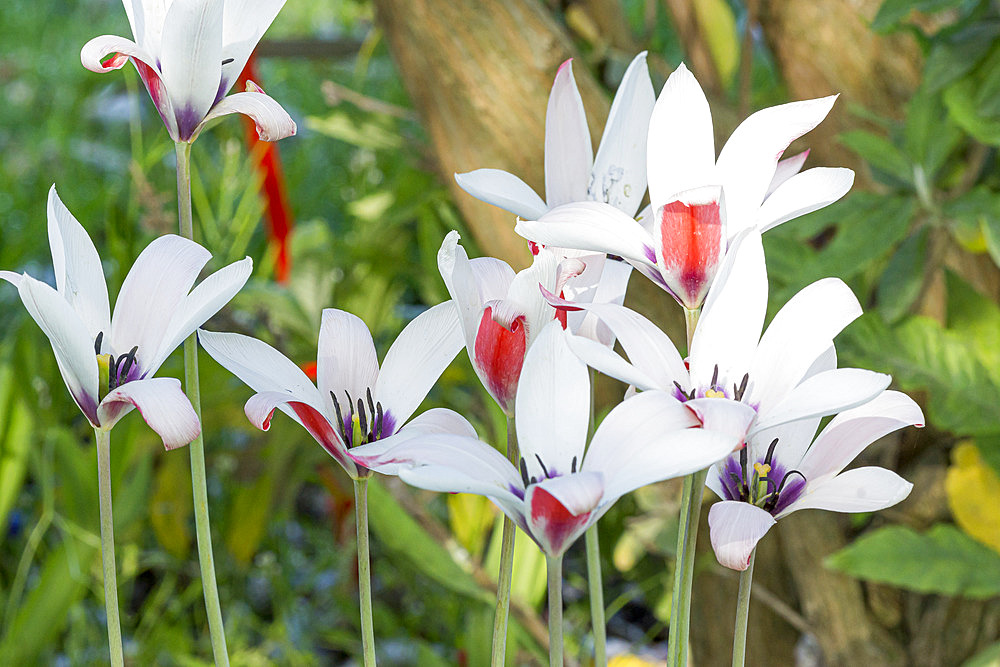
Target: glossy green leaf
point(880, 153)
point(903, 277)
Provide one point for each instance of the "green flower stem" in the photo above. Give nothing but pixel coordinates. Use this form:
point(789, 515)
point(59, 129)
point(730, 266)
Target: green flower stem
point(108, 546)
point(596, 596)
point(554, 566)
point(742, 614)
point(506, 564)
point(687, 537)
point(203, 527)
point(364, 570)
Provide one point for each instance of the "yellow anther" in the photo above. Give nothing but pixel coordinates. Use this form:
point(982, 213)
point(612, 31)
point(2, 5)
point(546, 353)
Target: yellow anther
point(762, 468)
point(714, 393)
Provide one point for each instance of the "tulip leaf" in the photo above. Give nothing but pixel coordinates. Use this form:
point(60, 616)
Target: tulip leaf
point(943, 560)
point(973, 489)
point(903, 277)
point(15, 433)
point(880, 153)
point(250, 515)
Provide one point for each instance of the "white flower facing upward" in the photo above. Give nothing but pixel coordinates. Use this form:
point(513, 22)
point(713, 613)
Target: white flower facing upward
point(616, 176)
point(189, 53)
point(700, 204)
point(108, 361)
point(778, 473)
point(786, 374)
point(353, 401)
point(562, 486)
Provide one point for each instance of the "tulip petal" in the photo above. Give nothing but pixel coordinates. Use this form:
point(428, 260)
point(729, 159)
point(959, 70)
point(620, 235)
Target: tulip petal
point(611, 290)
point(602, 359)
point(493, 278)
point(690, 235)
point(803, 193)
point(619, 174)
point(191, 60)
point(270, 119)
point(860, 490)
point(680, 153)
point(73, 350)
point(436, 421)
point(161, 402)
point(560, 509)
point(463, 286)
point(96, 50)
point(786, 169)
point(825, 394)
point(735, 529)
point(552, 406)
point(568, 152)
point(78, 269)
point(850, 432)
point(346, 363)
point(417, 358)
point(243, 24)
point(503, 190)
point(524, 298)
point(11, 277)
point(722, 415)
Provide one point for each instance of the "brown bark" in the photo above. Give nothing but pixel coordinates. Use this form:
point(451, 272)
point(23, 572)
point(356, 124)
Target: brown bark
point(479, 75)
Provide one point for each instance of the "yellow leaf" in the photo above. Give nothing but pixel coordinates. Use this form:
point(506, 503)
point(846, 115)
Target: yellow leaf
point(249, 516)
point(470, 517)
point(718, 25)
point(171, 505)
point(973, 489)
point(629, 660)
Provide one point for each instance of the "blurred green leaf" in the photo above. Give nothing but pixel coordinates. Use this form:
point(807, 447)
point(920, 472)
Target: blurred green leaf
point(891, 12)
point(990, 227)
point(965, 109)
point(16, 425)
point(170, 506)
point(943, 560)
point(368, 133)
point(718, 26)
point(989, 657)
point(959, 52)
point(903, 277)
point(880, 153)
point(249, 517)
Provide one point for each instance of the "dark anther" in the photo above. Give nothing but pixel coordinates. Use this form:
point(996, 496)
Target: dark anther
point(524, 472)
point(378, 420)
point(340, 417)
point(683, 393)
point(715, 376)
point(787, 475)
point(544, 469)
point(770, 451)
point(228, 60)
point(572, 465)
point(97, 342)
point(616, 258)
point(129, 360)
point(745, 491)
point(742, 388)
point(361, 417)
point(371, 403)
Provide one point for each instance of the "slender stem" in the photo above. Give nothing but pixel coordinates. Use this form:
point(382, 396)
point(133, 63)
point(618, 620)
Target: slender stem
point(554, 566)
point(364, 570)
point(203, 527)
point(506, 565)
point(108, 546)
point(742, 614)
point(687, 537)
point(594, 578)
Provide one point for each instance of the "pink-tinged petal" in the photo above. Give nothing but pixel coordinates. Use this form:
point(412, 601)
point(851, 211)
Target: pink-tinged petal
point(94, 52)
point(786, 169)
point(691, 242)
point(258, 365)
point(346, 363)
point(503, 190)
point(436, 421)
point(568, 153)
point(191, 60)
point(850, 432)
point(749, 159)
point(619, 174)
point(801, 332)
point(154, 288)
point(161, 402)
point(592, 227)
point(729, 329)
point(243, 24)
point(497, 355)
point(825, 394)
point(859, 490)
point(803, 193)
point(680, 153)
point(270, 119)
point(11, 277)
point(551, 523)
point(204, 301)
point(735, 529)
point(524, 298)
point(724, 416)
point(73, 348)
point(260, 408)
point(79, 274)
point(417, 358)
point(652, 437)
point(552, 406)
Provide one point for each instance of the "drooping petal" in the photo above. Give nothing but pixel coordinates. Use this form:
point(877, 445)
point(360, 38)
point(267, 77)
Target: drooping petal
point(270, 119)
point(258, 365)
point(161, 402)
point(850, 432)
point(11, 277)
point(417, 358)
point(96, 50)
point(735, 529)
point(77, 266)
point(346, 363)
point(733, 315)
point(568, 152)
point(552, 406)
point(825, 394)
point(722, 415)
point(560, 509)
point(243, 24)
point(191, 60)
point(748, 161)
point(786, 169)
point(800, 332)
point(463, 287)
point(680, 153)
point(73, 349)
point(593, 227)
point(503, 190)
point(690, 236)
point(860, 490)
point(619, 174)
point(204, 301)
point(154, 288)
point(803, 193)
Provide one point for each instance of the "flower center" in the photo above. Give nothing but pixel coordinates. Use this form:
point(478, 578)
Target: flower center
point(714, 389)
point(363, 423)
point(547, 474)
point(114, 372)
point(765, 484)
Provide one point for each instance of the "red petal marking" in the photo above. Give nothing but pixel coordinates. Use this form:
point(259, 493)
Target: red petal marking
point(691, 243)
point(115, 61)
point(321, 431)
point(561, 314)
point(499, 355)
point(552, 517)
point(535, 248)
